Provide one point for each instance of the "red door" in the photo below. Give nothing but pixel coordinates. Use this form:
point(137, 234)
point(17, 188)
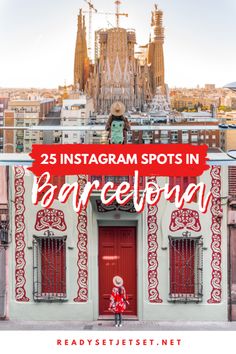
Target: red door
point(117, 256)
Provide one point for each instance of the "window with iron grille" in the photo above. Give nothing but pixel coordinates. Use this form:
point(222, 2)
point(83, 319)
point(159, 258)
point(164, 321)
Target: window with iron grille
point(183, 182)
point(232, 181)
point(116, 179)
point(49, 273)
point(186, 255)
point(55, 181)
point(4, 232)
point(4, 227)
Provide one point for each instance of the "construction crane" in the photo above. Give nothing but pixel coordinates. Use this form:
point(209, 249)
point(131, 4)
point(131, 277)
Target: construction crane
point(91, 10)
point(108, 13)
point(117, 13)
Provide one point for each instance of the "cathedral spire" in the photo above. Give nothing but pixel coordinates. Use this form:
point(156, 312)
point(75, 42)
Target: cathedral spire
point(157, 24)
point(155, 50)
point(81, 63)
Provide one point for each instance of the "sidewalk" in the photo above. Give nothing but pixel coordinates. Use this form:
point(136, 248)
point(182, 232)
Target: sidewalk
point(109, 326)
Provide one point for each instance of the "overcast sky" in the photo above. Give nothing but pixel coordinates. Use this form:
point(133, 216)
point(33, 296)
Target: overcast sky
point(37, 39)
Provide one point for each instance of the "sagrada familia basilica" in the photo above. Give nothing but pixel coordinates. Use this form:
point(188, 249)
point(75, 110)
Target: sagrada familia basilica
point(119, 72)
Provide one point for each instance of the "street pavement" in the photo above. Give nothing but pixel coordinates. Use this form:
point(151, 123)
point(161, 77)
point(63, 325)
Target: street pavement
point(9, 325)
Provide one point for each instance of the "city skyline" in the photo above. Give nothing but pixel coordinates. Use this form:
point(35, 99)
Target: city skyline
point(38, 40)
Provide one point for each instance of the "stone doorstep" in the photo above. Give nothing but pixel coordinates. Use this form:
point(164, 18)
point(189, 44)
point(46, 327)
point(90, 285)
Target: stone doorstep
point(111, 318)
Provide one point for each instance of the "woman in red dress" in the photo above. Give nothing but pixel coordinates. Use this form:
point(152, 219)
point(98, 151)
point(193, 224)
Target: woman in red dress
point(118, 300)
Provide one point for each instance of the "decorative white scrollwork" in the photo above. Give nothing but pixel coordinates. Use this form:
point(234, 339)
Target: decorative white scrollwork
point(216, 211)
point(20, 262)
point(82, 246)
point(185, 218)
point(153, 292)
point(50, 218)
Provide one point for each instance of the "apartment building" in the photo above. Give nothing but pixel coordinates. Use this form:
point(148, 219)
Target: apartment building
point(3, 106)
point(24, 113)
point(76, 112)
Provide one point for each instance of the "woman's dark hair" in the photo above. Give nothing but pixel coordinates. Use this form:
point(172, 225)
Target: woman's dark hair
point(117, 117)
point(120, 290)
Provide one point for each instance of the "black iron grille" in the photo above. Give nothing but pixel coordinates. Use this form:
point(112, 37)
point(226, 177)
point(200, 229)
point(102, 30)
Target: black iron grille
point(4, 231)
point(49, 262)
point(186, 257)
